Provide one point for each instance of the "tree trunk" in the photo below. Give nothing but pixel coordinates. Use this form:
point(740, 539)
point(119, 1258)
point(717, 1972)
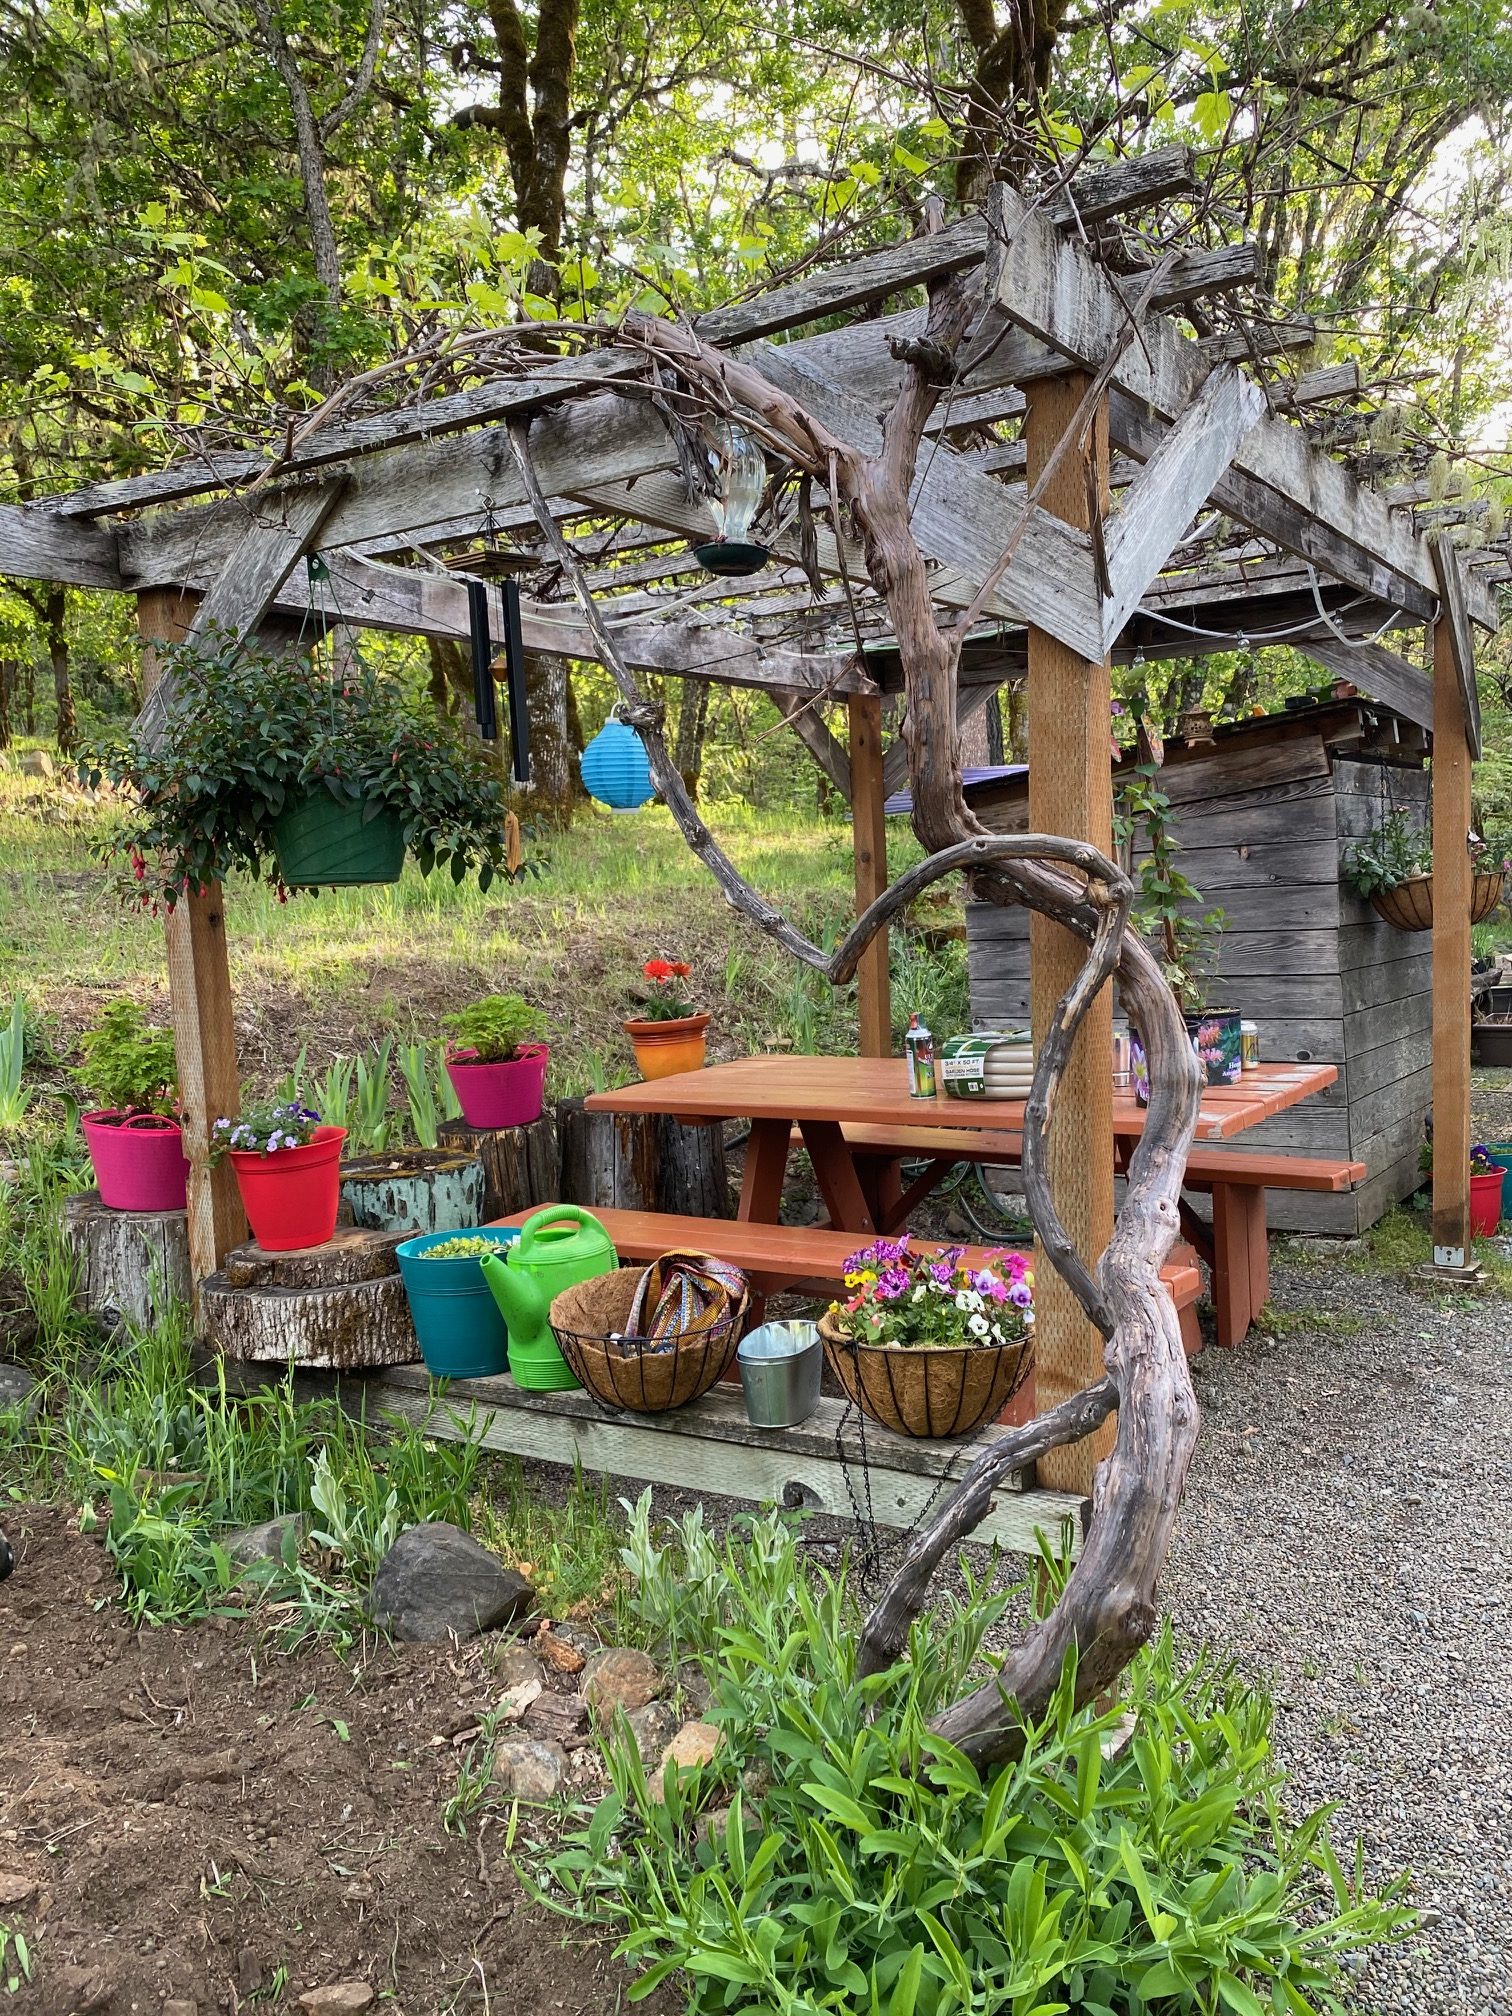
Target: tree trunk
point(55, 617)
point(692, 726)
point(555, 789)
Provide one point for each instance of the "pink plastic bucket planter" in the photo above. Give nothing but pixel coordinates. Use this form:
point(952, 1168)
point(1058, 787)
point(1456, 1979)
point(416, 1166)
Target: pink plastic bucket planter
point(500, 1095)
point(292, 1196)
point(139, 1161)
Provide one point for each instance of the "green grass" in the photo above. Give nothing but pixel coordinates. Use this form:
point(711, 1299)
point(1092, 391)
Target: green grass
point(334, 972)
point(1402, 1242)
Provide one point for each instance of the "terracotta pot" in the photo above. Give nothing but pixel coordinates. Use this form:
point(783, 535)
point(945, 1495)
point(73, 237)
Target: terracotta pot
point(662, 1049)
point(926, 1392)
point(500, 1095)
point(1409, 907)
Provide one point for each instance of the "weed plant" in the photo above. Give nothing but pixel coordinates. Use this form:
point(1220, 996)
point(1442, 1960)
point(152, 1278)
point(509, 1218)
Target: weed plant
point(838, 1856)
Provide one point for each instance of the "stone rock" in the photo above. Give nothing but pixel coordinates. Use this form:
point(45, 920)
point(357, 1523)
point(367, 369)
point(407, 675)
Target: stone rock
point(264, 1542)
point(525, 1769)
point(341, 1998)
point(581, 1637)
point(694, 1689)
point(695, 1744)
point(436, 1580)
point(558, 1652)
point(180, 2007)
point(558, 1718)
point(756, 1780)
point(620, 1677)
point(653, 1727)
point(16, 1889)
point(513, 1663)
point(36, 763)
point(19, 1393)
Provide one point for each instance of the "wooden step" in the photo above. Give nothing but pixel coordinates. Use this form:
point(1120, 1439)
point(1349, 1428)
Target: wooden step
point(710, 1446)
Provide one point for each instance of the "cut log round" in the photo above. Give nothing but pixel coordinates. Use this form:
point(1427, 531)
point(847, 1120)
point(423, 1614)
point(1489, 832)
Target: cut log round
point(415, 1190)
point(342, 1328)
point(521, 1166)
point(131, 1264)
point(641, 1162)
point(350, 1255)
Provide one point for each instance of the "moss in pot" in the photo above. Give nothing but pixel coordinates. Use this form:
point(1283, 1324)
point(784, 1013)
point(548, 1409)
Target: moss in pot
point(496, 1061)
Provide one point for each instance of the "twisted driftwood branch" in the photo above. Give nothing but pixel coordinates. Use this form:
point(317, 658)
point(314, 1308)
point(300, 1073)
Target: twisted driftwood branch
point(1107, 1609)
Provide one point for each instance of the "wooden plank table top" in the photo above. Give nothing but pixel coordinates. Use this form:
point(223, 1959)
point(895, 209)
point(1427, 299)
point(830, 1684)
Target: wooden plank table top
point(838, 1090)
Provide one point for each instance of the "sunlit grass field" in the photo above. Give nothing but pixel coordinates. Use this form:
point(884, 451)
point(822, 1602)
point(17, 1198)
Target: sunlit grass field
point(332, 972)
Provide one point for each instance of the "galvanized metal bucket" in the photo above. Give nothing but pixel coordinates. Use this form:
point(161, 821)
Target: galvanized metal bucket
point(780, 1368)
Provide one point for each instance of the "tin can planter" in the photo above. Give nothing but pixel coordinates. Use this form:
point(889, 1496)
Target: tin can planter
point(1218, 1038)
point(663, 1049)
point(332, 843)
point(415, 1190)
point(1409, 907)
point(291, 1197)
point(925, 1391)
point(509, 1094)
point(139, 1160)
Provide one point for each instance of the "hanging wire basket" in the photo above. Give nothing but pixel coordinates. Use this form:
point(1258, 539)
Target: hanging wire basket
point(601, 1337)
point(927, 1392)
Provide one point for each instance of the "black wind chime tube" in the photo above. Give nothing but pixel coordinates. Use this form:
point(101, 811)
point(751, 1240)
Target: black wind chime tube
point(482, 661)
point(514, 683)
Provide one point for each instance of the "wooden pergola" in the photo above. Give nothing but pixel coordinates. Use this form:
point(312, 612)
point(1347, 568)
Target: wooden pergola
point(1200, 513)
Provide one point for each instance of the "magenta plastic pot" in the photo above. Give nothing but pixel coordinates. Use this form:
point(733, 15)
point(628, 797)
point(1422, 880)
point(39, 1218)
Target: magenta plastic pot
point(139, 1160)
point(500, 1095)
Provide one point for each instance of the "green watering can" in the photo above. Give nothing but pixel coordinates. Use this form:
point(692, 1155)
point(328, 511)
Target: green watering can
point(556, 1249)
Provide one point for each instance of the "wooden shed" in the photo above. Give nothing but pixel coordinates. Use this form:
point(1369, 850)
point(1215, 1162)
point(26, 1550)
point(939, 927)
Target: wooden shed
point(1265, 814)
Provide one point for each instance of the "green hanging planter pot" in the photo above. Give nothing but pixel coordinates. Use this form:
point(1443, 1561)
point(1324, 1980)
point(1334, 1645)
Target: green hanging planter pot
point(328, 842)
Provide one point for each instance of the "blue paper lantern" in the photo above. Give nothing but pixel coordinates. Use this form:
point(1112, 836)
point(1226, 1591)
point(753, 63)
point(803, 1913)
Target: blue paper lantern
point(616, 769)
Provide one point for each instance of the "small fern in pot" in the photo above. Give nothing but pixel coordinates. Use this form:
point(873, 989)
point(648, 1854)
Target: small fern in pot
point(132, 1132)
point(496, 1061)
point(281, 769)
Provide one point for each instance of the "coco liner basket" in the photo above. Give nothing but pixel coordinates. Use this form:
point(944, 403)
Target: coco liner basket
point(1409, 907)
point(652, 1339)
point(924, 1390)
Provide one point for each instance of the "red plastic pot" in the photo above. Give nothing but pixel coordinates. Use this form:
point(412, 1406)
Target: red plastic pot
point(139, 1160)
point(291, 1196)
point(1486, 1203)
point(500, 1095)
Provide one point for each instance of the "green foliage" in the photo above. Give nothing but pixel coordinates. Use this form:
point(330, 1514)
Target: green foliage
point(428, 1090)
point(1389, 855)
point(129, 1063)
point(463, 1247)
point(249, 732)
point(495, 1028)
point(14, 1100)
point(1185, 944)
point(373, 1125)
point(837, 1855)
point(263, 1127)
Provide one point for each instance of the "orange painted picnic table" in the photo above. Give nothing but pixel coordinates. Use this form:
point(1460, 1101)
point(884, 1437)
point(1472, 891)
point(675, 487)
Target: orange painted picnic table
point(821, 1096)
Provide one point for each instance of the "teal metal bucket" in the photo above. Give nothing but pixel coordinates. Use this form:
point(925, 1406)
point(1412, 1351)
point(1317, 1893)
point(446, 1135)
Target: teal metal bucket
point(1501, 1154)
point(459, 1324)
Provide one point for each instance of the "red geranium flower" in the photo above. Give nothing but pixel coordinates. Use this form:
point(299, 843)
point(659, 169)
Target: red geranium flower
point(660, 969)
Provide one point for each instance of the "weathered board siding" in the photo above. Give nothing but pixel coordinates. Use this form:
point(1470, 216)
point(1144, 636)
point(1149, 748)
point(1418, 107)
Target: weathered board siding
point(1264, 816)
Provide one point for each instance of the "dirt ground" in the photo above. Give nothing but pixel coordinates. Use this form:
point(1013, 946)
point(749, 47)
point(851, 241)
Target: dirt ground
point(193, 1818)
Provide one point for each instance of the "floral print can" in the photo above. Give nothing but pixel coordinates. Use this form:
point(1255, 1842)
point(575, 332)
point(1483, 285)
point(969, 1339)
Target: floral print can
point(1218, 1038)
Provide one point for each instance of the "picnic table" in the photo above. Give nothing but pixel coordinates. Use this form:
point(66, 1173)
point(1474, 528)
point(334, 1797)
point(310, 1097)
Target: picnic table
point(857, 1121)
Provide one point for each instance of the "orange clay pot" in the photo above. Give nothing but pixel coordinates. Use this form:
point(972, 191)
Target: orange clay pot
point(662, 1049)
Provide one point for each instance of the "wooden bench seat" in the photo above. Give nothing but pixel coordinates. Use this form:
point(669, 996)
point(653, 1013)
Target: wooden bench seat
point(807, 1257)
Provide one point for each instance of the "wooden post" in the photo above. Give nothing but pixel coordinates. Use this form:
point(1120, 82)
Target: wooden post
point(1071, 793)
point(1451, 958)
point(199, 986)
point(869, 828)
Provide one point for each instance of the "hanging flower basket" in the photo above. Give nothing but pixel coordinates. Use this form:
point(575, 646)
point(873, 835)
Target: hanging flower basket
point(928, 1394)
point(337, 843)
point(1409, 906)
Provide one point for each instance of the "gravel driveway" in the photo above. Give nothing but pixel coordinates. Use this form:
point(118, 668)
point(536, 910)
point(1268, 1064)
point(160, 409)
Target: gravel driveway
point(1345, 1534)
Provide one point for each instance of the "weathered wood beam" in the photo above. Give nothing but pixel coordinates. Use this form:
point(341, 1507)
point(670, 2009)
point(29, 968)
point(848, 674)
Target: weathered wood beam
point(1332, 381)
point(826, 749)
point(1175, 484)
point(1095, 194)
point(1454, 622)
point(1191, 275)
point(1279, 483)
point(1382, 673)
point(34, 546)
point(964, 520)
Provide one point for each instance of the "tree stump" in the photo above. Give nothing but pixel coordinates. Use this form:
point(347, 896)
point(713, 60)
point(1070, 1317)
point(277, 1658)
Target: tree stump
point(340, 1306)
point(641, 1162)
point(415, 1190)
point(521, 1166)
point(133, 1265)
